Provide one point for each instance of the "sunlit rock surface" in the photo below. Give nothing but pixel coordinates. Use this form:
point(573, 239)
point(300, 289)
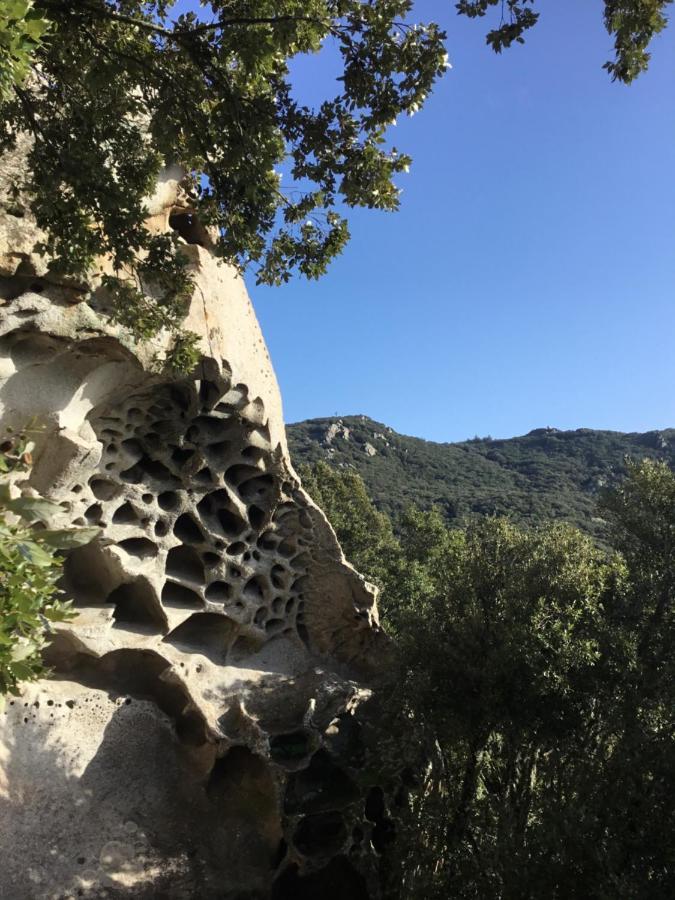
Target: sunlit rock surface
point(203, 732)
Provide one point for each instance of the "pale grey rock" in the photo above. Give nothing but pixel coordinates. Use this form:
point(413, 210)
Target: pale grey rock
point(198, 737)
point(336, 430)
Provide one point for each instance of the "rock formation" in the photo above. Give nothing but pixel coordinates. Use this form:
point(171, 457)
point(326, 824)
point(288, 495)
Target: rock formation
point(202, 732)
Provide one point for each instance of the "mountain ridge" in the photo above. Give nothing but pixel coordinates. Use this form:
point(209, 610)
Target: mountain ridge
point(545, 474)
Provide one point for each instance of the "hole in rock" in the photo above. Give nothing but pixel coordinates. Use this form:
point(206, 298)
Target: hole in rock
point(258, 488)
point(178, 596)
point(218, 590)
point(134, 475)
point(289, 748)
point(274, 626)
point(155, 469)
point(236, 474)
point(278, 577)
point(217, 508)
point(231, 522)
point(132, 448)
point(260, 616)
point(209, 393)
point(161, 529)
point(151, 467)
point(136, 604)
point(256, 517)
point(185, 564)
point(322, 786)
point(323, 833)
point(236, 548)
point(254, 454)
point(283, 510)
point(103, 489)
point(181, 456)
point(206, 633)
point(168, 500)
point(254, 588)
point(94, 513)
point(211, 559)
point(147, 498)
point(267, 541)
point(188, 226)
point(210, 429)
point(140, 547)
point(125, 515)
point(287, 548)
point(187, 530)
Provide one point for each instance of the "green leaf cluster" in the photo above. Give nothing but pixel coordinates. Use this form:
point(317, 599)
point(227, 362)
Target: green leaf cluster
point(22, 30)
point(30, 568)
point(632, 23)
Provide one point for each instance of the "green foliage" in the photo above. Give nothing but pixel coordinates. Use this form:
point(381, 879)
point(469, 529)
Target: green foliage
point(29, 571)
point(539, 671)
point(633, 24)
point(22, 31)
point(365, 534)
point(542, 476)
point(121, 88)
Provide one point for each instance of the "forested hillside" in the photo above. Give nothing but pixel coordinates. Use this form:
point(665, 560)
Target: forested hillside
point(546, 474)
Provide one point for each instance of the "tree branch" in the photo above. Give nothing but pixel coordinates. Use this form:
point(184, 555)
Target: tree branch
point(177, 34)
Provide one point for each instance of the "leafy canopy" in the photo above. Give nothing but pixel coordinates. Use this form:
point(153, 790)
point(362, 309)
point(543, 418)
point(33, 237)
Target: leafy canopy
point(119, 88)
point(111, 90)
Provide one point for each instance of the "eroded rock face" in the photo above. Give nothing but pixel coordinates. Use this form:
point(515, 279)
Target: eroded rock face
point(203, 734)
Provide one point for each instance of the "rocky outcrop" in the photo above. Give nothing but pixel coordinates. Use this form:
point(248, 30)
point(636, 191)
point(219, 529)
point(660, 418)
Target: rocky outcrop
point(202, 734)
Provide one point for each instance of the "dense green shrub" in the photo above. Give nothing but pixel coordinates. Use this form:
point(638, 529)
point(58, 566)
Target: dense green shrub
point(541, 669)
point(30, 567)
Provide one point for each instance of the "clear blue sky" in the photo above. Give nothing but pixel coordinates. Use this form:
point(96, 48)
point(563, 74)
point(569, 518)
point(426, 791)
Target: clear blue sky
point(529, 277)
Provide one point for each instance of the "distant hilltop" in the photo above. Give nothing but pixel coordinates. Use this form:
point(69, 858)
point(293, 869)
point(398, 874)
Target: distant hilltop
point(545, 474)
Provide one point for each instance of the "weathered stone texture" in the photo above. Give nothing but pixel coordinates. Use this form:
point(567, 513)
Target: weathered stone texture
point(201, 735)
